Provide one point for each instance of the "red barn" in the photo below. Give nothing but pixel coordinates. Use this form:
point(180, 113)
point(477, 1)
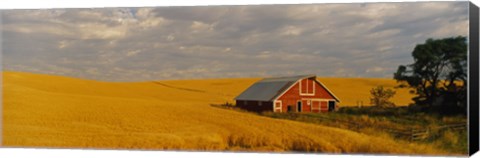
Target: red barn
point(288, 94)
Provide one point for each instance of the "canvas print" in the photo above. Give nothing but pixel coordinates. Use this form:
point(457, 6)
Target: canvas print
point(354, 78)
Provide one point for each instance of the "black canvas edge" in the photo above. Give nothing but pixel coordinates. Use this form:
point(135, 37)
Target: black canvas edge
point(473, 108)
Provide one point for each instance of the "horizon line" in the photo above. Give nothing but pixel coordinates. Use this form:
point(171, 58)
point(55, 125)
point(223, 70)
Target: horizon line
point(176, 79)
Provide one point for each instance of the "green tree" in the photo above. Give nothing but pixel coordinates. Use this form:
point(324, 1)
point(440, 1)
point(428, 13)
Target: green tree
point(381, 96)
point(439, 72)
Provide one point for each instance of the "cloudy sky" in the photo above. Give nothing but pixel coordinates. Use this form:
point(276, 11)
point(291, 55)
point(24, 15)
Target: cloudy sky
point(138, 44)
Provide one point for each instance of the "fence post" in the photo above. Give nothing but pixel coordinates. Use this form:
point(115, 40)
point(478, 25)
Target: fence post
point(427, 133)
point(411, 134)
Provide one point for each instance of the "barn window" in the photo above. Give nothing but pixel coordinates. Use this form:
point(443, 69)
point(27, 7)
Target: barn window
point(260, 103)
point(307, 87)
point(244, 102)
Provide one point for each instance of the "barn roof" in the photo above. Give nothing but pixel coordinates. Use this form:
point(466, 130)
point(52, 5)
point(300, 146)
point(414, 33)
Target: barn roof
point(270, 88)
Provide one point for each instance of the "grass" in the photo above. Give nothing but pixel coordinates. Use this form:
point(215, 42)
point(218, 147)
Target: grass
point(61, 112)
point(391, 123)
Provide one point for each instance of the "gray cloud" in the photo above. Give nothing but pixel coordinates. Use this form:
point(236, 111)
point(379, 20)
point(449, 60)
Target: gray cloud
point(135, 44)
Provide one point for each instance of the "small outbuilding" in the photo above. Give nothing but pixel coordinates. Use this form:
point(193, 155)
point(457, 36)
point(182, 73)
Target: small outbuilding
point(288, 94)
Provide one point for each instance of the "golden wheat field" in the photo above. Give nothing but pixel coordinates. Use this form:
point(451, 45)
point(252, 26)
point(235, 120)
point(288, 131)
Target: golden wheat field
point(353, 91)
point(61, 112)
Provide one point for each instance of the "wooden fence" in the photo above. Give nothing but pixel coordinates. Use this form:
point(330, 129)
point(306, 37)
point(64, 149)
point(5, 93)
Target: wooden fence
point(420, 134)
point(412, 134)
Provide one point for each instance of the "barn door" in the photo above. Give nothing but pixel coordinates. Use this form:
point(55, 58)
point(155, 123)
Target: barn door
point(324, 106)
point(315, 106)
point(290, 108)
point(299, 106)
point(331, 105)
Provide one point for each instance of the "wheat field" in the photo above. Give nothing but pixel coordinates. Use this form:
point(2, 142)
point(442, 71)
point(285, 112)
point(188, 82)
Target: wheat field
point(353, 90)
point(61, 112)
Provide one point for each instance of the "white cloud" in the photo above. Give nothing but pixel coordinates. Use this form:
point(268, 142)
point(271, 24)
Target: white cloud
point(170, 37)
point(101, 31)
point(63, 44)
point(264, 55)
point(133, 52)
point(343, 40)
point(152, 22)
point(198, 27)
point(291, 31)
point(92, 71)
point(227, 49)
point(451, 29)
point(384, 48)
point(375, 69)
point(384, 33)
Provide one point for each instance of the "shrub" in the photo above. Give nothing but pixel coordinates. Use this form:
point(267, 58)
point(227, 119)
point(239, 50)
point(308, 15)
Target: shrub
point(380, 97)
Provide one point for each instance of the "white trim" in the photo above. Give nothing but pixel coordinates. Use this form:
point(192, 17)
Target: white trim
point(313, 82)
point(275, 106)
point(318, 99)
point(307, 93)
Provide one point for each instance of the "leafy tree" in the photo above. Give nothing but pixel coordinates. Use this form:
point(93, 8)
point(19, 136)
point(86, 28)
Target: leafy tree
point(380, 97)
point(439, 72)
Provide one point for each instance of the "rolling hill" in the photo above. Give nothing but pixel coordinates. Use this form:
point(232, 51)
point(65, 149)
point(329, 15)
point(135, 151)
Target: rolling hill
point(61, 112)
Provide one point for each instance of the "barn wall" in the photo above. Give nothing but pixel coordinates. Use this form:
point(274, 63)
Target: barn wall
point(255, 106)
point(324, 106)
point(292, 96)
